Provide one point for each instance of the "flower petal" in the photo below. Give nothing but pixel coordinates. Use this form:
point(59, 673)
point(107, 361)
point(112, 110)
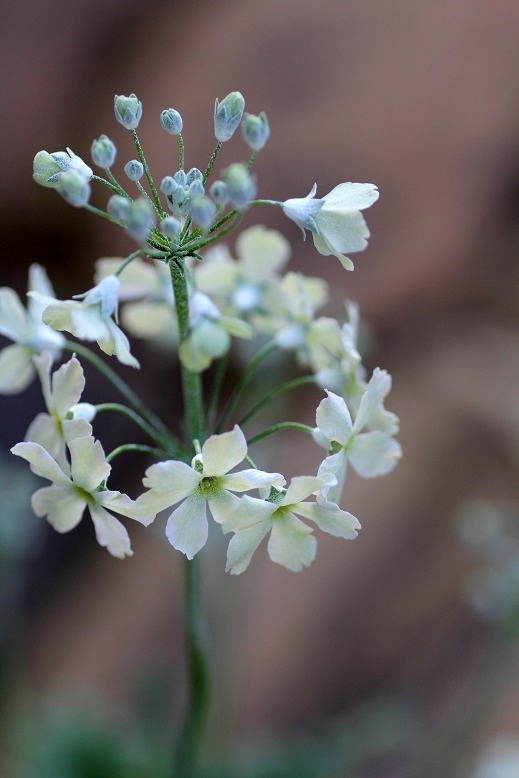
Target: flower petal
point(374, 453)
point(352, 196)
point(13, 317)
point(62, 507)
point(68, 383)
point(330, 518)
point(89, 466)
point(41, 462)
point(333, 419)
point(332, 472)
point(110, 532)
point(243, 545)
point(291, 543)
point(222, 505)
point(121, 503)
point(168, 482)
point(16, 369)
point(300, 488)
point(220, 453)
point(251, 479)
point(187, 527)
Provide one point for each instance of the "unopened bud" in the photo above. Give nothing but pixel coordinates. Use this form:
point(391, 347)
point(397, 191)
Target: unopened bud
point(128, 110)
point(134, 169)
point(170, 227)
point(241, 186)
point(103, 152)
point(140, 219)
point(255, 130)
point(74, 188)
point(219, 193)
point(118, 207)
point(227, 116)
point(171, 121)
point(202, 211)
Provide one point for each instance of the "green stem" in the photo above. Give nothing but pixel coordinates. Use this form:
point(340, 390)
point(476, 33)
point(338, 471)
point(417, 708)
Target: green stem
point(287, 387)
point(122, 387)
point(146, 196)
point(212, 161)
point(196, 644)
point(129, 259)
point(191, 382)
point(148, 174)
point(121, 190)
point(197, 647)
point(104, 215)
point(216, 387)
point(113, 187)
point(287, 425)
point(180, 151)
point(158, 453)
point(170, 446)
point(240, 388)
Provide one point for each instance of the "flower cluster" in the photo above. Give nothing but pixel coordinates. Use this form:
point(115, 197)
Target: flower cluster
point(183, 288)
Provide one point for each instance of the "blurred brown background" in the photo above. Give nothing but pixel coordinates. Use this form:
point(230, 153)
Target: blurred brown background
point(419, 98)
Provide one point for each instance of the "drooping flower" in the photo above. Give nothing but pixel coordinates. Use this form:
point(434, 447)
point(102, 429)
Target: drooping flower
point(26, 328)
point(291, 541)
point(206, 483)
point(366, 443)
point(78, 487)
point(91, 318)
point(61, 392)
point(335, 221)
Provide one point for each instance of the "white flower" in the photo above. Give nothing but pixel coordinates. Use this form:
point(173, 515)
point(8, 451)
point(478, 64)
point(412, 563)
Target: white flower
point(209, 333)
point(64, 502)
point(146, 290)
point(91, 319)
point(206, 483)
point(27, 330)
point(60, 425)
point(291, 542)
point(335, 221)
point(371, 453)
point(243, 287)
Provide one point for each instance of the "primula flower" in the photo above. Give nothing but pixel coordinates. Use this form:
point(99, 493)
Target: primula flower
point(244, 287)
point(27, 330)
point(335, 221)
point(373, 452)
point(206, 483)
point(209, 333)
point(291, 541)
point(61, 393)
point(80, 487)
point(147, 294)
point(91, 319)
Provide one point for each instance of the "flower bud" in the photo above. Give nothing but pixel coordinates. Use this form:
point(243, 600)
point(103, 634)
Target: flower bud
point(171, 121)
point(134, 169)
point(167, 185)
point(255, 130)
point(118, 207)
point(140, 219)
point(241, 186)
point(194, 175)
point(181, 177)
point(74, 188)
point(170, 227)
point(128, 110)
point(196, 188)
point(219, 193)
point(103, 152)
point(202, 211)
point(48, 168)
point(227, 116)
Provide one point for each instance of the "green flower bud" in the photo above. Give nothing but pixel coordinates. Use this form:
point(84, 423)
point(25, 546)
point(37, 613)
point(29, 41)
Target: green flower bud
point(241, 186)
point(134, 170)
point(48, 168)
point(128, 111)
point(139, 219)
point(219, 193)
point(170, 227)
point(227, 116)
point(103, 152)
point(202, 211)
point(74, 188)
point(255, 130)
point(118, 207)
point(171, 121)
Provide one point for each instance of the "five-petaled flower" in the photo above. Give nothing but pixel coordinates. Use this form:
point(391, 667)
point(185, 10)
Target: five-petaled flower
point(206, 483)
point(291, 541)
point(78, 487)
